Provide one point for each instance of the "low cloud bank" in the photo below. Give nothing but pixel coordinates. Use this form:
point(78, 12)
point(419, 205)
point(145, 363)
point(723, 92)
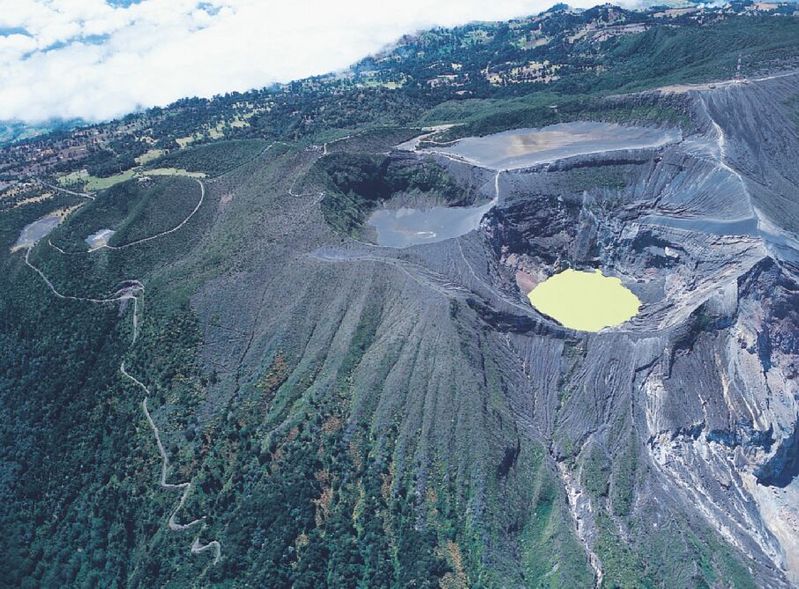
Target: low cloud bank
point(97, 60)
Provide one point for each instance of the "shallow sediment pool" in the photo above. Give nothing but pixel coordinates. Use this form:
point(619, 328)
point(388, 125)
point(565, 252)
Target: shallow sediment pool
point(99, 238)
point(37, 230)
point(404, 227)
point(585, 301)
point(521, 148)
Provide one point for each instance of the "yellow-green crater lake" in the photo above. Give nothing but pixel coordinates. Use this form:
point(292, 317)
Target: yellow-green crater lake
point(586, 301)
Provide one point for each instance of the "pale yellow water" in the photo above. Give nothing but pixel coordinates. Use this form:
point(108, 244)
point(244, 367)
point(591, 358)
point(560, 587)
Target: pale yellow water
point(586, 301)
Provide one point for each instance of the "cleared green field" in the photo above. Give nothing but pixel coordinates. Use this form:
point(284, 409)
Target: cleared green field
point(585, 301)
point(73, 178)
point(212, 159)
point(93, 183)
point(148, 156)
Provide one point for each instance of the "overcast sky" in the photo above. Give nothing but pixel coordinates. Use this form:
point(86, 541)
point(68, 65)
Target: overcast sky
point(99, 59)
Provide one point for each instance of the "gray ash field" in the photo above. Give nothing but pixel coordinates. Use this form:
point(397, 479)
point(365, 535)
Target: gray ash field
point(239, 386)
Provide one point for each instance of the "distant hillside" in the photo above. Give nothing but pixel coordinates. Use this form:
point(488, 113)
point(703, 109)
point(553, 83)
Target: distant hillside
point(561, 57)
point(12, 131)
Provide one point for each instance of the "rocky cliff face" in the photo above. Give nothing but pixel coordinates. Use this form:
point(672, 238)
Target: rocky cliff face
point(707, 372)
point(673, 437)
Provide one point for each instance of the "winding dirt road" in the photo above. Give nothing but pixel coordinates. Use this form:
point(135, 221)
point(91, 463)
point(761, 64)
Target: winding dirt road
point(137, 241)
point(134, 290)
point(66, 190)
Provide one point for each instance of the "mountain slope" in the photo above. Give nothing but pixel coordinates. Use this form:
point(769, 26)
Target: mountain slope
point(243, 367)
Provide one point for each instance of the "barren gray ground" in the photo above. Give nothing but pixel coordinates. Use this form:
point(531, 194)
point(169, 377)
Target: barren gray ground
point(522, 148)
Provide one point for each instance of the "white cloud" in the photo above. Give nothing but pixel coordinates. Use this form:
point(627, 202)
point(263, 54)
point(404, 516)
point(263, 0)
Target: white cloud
point(94, 60)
